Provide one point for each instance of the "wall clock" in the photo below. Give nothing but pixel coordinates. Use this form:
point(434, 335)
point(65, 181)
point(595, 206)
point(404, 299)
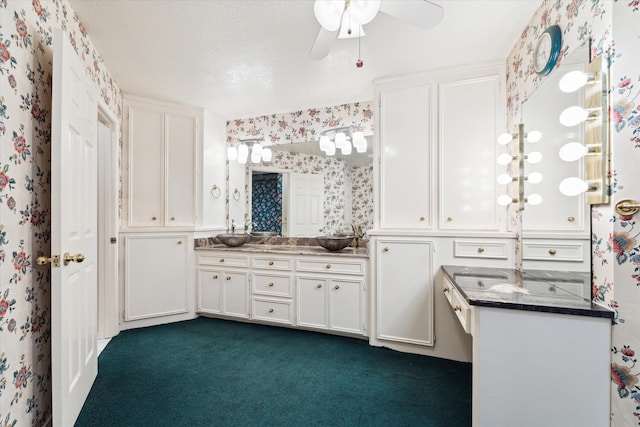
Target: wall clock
point(547, 51)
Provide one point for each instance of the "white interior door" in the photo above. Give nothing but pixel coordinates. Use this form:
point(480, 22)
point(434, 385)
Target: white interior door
point(73, 233)
point(306, 204)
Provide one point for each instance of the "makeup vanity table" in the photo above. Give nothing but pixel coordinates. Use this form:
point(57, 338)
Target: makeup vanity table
point(541, 348)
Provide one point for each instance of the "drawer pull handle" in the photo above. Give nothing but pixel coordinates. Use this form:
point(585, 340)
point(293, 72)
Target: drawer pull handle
point(552, 251)
point(337, 287)
point(571, 219)
point(445, 290)
point(215, 276)
point(271, 310)
point(270, 262)
point(270, 284)
point(221, 259)
point(319, 285)
point(386, 249)
point(480, 250)
point(457, 308)
point(228, 277)
point(328, 265)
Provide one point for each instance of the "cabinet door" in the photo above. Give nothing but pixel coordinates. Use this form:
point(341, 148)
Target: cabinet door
point(146, 179)
point(404, 291)
point(155, 276)
point(312, 303)
point(468, 187)
point(180, 169)
point(345, 305)
point(405, 150)
point(235, 294)
point(210, 291)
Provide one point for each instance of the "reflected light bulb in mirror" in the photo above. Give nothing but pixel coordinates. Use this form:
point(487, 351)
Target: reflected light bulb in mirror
point(256, 150)
point(534, 157)
point(504, 159)
point(572, 151)
point(534, 178)
point(331, 149)
point(243, 153)
point(232, 153)
point(358, 139)
point(362, 148)
point(572, 186)
point(504, 179)
point(346, 148)
point(534, 136)
point(573, 116)
point(324, 143)
point(572, 81)
point(505, 138)
point(534, 199)
point(340, 139)
point(267, 154)
point(504, 200)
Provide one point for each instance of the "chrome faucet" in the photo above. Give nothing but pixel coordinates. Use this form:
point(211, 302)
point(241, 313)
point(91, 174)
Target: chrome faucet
point(248, 226)
point(233, 226)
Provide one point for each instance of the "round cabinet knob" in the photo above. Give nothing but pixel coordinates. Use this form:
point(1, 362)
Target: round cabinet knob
point(179, 242)
point(173, 218)
point(457, 308)
point(271, 310)
point(154, 218)
point(445, 290)
point(270, 262)
point(221, 259)
point(449, 219)
point(337, 287)
point(552, 251)
point(215, 276)
point(386, 249)
point(571, 219)
point(228, 277)
point(319, 285)
point(422, 219)
point(328, 265)
point(271, 284)
point(480, 250)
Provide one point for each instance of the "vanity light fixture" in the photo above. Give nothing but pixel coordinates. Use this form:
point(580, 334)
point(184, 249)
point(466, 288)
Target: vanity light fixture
point(575, 80)
point(240, 153)
point(573, 151)
point(575, 115)
point(343, 138)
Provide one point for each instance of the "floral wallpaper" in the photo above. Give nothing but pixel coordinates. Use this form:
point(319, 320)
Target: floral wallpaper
point(613, 28)
point(26, 37)
point(266, 208)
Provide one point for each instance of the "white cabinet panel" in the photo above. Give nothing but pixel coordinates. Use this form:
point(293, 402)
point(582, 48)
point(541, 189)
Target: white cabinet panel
point(210, 291)
point(181, 137)
point(235, 291)
point(312, 302)
point(155, 276)
point(405, 151)
point(404, 291)
point(345, 305)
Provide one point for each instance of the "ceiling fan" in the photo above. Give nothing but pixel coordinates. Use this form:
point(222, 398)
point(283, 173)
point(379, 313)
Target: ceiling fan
point(345, 18)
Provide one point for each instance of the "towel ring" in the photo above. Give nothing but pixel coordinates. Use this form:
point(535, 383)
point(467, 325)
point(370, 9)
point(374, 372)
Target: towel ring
point(236, 194)
point(215, 191)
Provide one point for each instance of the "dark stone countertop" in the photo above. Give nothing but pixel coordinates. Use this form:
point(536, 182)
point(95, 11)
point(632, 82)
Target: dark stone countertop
point(565, 292)
point(282, 246)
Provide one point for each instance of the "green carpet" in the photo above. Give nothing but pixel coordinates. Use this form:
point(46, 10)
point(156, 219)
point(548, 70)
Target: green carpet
point(212, 372)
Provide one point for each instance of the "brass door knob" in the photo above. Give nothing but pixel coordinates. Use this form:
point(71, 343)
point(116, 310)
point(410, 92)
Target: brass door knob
point(43, 260)
point(67, 258)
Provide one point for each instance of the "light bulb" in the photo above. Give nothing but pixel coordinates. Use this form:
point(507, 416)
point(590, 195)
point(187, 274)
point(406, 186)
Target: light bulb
point(331, 149)
point(267, 154)
point(505, 138)
point(504, 179)
point(340, 139)
point(534, 157)
point(572, 151)
point(329, 13)
point(232, 153)
point(572, 186)
point(504, 159)
point(534, 177)
point(324, 143)
point(358, 139)
point(346, 148)
point(256, 158)
point(363, 11)
point(534, 199)
point(572, 81)
point(243, 153)
point(534, 136)
point(361, 148)
point(504, 200)
point(573, 116)
point(256, 150)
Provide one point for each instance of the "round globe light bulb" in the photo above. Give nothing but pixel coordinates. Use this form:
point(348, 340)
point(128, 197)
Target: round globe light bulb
point(573, 116)
point(232, 153)
point(534, 199)
point(534, 157)
point(505, 138)
point(534, 178)
point(504, 179)
point(572, 151)
point(572, 81)
point(534, 136)
point(572, 186)
point(504, 159)
point(504, 200)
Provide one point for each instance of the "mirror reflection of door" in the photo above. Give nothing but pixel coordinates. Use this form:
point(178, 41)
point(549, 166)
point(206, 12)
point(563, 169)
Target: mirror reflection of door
point(266, 206)
point(306, 199)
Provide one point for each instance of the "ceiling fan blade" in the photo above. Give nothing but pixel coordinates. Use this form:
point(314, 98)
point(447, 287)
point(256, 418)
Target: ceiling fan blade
point(421, 13)
point(323, 43)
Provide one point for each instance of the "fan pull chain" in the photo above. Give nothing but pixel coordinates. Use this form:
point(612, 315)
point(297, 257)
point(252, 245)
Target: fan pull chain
point(359, 62)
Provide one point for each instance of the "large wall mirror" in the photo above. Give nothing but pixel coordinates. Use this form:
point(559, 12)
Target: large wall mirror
point(302, 192)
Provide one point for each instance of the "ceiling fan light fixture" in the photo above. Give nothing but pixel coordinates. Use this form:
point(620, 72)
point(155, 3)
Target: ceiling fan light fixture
point(329, 13)
point(363, 11)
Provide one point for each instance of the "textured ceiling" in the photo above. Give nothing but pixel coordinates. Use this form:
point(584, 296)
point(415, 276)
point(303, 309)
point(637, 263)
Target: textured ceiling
point(241, 58)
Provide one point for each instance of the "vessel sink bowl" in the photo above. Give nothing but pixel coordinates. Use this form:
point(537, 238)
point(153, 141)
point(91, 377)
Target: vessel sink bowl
point(334, 243)
point(264, 233)
point(234, 239)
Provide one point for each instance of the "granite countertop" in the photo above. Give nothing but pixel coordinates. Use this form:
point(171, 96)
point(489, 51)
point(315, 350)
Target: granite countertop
point(532, 290)
point(287, 250)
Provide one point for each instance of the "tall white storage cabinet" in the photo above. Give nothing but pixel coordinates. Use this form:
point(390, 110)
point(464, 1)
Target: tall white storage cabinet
point(435, 185)
point(160, 195)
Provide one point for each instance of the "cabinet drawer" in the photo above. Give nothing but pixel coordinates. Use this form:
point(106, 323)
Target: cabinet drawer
point(272, 263)
point(272, 310)
point(553, 251)
point(480, 249)
point(459, 305)
point(330, 265)
point(272, 284)
point(225, 259)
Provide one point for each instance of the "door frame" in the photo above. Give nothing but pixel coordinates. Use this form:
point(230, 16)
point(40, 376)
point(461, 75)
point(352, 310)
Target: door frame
point(108, 181)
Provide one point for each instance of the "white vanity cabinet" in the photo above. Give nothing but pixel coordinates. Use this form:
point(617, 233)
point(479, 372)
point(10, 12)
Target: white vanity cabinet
point(330, 293)
point(223, 284)
point(161, 142)
point(272, 288)
point(157, 278)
